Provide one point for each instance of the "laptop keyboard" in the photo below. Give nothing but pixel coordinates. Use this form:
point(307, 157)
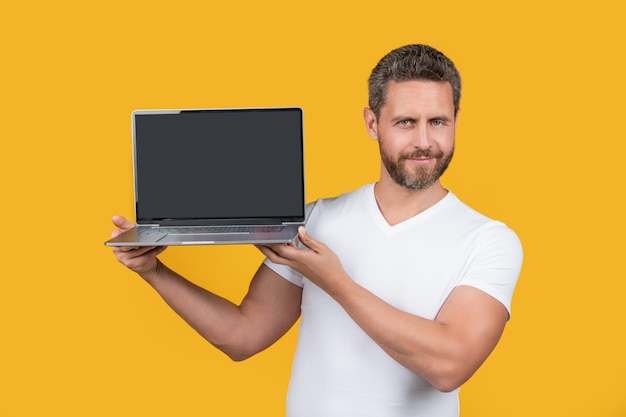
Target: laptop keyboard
point(177, 230)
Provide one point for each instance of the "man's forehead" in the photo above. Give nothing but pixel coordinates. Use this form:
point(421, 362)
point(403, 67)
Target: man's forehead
point(419, 95)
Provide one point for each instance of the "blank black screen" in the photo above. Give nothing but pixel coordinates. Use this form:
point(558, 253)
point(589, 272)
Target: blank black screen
point(221, 164)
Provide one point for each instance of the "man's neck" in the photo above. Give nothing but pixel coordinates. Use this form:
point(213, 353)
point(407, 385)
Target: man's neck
point(398, 203)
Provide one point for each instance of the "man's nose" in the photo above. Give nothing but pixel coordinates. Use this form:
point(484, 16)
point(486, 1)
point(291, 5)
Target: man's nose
point(421, 138)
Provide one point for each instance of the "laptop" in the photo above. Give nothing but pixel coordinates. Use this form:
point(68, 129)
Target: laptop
point(217, 176)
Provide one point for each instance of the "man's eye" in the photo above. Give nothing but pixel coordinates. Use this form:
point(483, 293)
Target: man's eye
point(404, 122)
point(437, 123)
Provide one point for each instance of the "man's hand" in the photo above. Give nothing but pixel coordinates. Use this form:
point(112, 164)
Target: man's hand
point(140, 259)
point(316, 261)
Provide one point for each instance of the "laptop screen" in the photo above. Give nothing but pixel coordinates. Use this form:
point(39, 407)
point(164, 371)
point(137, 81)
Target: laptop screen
point(219, 164)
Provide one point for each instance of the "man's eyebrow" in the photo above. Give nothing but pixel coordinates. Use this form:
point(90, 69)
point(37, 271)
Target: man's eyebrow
point(413, 119)
point(443, 118)
point(399, 118)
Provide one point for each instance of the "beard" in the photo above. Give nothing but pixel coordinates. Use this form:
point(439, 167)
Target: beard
point(420, 178)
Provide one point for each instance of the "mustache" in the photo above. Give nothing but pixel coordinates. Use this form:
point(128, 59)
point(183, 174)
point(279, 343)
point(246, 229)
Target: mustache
point(421, 153)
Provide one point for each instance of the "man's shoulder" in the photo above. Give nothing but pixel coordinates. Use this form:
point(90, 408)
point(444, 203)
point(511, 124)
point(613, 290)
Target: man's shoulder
point(346, 198)
point(463, 209)
point(463, 214)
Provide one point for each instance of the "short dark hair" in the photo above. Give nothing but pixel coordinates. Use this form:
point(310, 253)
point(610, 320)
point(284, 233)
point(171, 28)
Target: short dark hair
point(408, 63)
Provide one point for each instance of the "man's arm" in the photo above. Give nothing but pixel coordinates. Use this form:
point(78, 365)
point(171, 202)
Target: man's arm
point(445, 351)
point(269, 309)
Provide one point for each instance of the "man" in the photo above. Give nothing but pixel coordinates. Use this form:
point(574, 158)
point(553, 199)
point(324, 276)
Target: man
point(403, 290)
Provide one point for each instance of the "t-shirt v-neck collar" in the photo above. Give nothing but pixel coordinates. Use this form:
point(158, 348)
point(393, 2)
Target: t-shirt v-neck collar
point(372, 206)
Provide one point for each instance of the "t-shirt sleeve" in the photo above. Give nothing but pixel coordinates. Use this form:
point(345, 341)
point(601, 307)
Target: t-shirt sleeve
point(496, 263)
point(285, 272)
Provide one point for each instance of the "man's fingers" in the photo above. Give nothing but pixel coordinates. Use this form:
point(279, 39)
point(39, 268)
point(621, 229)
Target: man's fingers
point(121, 223)
point(307, 240)
point(276, 252)
point(158, 250)
point(130, 252)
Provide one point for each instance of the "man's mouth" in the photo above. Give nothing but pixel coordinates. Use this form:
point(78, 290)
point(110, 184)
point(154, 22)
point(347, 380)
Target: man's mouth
point(422, 155)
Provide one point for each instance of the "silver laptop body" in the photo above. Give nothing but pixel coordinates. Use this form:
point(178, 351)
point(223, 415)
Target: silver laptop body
point(217, 176)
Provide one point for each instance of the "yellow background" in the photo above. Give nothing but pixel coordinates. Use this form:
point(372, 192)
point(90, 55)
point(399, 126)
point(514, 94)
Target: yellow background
point(540, 146)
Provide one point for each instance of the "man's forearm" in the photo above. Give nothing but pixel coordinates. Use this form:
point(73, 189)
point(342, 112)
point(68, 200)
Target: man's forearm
point(445, 351)
point(213, 317)
point(269, 309)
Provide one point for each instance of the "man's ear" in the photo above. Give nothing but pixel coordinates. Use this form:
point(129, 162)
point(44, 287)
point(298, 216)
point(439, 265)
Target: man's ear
point(371, 123)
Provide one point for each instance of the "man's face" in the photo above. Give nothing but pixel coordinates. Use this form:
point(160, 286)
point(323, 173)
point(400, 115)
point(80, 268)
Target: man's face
point(415, 132)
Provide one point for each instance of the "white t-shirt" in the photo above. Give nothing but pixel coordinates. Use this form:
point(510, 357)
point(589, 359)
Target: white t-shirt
point(338, 371)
